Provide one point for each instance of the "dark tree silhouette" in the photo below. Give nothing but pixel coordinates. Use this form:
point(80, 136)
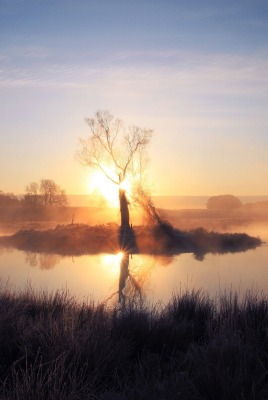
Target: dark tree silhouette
point(116, 151)
point(8, 199)
point(47, 193)
point(223, 202)
point(32, 196)
point(52, 194)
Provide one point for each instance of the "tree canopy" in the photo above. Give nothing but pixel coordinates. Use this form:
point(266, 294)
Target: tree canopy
point(46, 193)
point(117, 151)
point(223, 202)
point(8, 199)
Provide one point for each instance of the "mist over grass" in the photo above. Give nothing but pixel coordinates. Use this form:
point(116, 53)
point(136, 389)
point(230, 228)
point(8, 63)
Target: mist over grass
point(14, 217)
point(196, 347)
point(81, 239)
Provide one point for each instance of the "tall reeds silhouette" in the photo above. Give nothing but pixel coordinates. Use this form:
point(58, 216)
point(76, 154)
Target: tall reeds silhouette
point(196, 347)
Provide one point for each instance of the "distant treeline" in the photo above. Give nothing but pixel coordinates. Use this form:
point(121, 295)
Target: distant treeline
point(9, 199)
point(230, 202)
point(46, 193)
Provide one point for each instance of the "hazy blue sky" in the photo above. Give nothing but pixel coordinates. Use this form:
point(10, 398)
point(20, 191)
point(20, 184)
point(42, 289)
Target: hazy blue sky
point(194, 71)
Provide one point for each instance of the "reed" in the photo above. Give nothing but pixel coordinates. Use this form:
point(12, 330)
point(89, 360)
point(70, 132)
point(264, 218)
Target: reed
point(196, 347)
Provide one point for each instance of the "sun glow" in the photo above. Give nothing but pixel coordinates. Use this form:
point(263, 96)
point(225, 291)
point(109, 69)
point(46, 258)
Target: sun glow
point(125, 185)
point(119, 255)
point(112, 261)
point(100, 185)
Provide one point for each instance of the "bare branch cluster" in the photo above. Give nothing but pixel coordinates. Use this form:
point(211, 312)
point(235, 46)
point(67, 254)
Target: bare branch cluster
point(46, 193)
point(112, 145)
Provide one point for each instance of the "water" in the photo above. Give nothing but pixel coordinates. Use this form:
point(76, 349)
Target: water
point(98, 277)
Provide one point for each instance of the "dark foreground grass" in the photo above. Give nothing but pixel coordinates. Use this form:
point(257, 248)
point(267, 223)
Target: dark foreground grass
point(197, 347)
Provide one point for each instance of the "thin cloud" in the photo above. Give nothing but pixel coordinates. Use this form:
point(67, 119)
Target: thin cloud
point(187, 74)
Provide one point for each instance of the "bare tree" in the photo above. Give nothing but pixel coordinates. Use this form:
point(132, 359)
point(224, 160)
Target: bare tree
point(116, 151)
point(52, 194)
point(32, 196)
point(8, 199)
point(47, 193)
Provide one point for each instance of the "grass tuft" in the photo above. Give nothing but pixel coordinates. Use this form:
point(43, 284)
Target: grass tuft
point(196, 348)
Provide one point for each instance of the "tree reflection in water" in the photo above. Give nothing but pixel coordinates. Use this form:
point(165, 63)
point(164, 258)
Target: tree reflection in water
point(133, 278)
point(42, 260)
point(133, 271)
point(128, 286)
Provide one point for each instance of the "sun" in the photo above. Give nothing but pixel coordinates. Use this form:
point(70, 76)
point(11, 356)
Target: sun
point(112, 261)
point(125, 185)
point(97, 181)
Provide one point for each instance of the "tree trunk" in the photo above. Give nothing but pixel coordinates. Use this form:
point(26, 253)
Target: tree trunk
point(123, 275)
point(124, 208)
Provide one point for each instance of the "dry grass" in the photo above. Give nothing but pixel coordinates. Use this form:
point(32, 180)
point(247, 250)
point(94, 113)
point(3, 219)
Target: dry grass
point(195, 348)
point(77, 239)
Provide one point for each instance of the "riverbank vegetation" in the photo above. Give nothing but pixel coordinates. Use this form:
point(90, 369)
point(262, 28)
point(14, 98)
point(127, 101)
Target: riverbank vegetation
point(79, 239)
point(196, 347)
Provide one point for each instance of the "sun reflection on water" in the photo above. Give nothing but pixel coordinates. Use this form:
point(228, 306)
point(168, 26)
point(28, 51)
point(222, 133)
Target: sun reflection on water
point(112, 261)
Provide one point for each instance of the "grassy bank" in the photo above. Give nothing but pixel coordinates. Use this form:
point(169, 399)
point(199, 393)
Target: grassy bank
point(78, 239)
point(14, 218)
point(195, 348)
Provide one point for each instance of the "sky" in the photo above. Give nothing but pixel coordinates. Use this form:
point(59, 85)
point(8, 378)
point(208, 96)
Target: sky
point(195, 71)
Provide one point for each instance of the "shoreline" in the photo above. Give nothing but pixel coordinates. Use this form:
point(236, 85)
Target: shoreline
point(81, 239)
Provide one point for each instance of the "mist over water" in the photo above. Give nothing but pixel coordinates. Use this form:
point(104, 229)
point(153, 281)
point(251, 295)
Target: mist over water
point(97, 276)
point(168, 202)
point(151, 278)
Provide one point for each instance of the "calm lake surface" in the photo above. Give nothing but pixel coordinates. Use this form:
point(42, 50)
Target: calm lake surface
point(97, 277)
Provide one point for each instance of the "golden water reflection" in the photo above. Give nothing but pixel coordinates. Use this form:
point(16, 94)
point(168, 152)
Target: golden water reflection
point(119, 277)
point(134, 274)
point(124, 277)
point(42, 260)
point(135, 278)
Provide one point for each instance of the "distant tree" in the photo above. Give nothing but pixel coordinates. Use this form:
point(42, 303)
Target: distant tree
point(8, 199)
point(47, 193)
point(116, 151)
point(52, 194)
point(223, 202)
point(32, 195)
